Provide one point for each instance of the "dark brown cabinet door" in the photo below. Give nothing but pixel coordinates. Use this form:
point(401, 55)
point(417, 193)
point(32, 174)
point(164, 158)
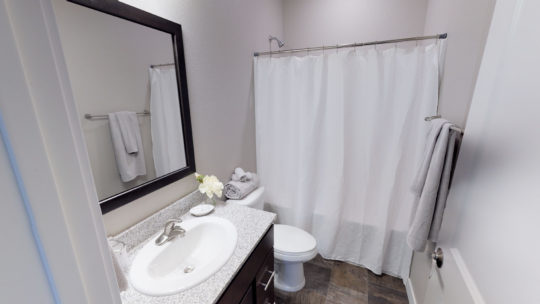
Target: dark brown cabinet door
point(264, 288)
point(248, 297)
point(254, 283)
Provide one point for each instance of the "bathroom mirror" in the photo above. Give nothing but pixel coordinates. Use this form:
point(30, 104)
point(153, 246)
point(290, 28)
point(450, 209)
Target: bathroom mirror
point(128, 78)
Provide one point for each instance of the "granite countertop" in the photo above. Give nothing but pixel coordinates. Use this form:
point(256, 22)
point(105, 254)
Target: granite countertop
point(251, 225)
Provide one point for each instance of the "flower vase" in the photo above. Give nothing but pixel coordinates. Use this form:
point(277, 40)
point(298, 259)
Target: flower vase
point(210, 201)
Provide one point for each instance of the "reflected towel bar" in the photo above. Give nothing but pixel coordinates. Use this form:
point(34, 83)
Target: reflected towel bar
point(161, 65)
point(101, 116)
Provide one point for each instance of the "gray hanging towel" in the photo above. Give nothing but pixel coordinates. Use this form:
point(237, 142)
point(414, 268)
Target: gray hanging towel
point(431, 184)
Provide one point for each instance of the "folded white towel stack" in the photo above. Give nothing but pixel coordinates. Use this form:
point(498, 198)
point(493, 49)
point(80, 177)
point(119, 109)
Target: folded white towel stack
point(240, 175)
point(242, 183)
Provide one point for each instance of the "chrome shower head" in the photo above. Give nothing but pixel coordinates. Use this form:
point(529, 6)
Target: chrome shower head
point(279, 42)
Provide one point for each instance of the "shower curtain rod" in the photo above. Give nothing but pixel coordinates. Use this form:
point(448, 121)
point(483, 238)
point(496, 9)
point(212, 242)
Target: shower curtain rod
point(339, 46)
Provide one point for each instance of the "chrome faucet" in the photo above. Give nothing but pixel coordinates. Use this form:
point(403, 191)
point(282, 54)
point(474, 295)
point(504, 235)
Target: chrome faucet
point(172, 230)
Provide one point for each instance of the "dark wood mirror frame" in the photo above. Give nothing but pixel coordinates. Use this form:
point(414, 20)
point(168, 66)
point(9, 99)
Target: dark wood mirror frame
point(127, 12)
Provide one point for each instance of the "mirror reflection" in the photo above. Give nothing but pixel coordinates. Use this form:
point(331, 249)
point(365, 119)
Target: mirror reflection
point(124, 84)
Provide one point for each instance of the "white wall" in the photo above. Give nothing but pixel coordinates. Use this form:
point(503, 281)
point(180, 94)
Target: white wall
point(108, 60)
point(467, 24)
point(219, 40)
point(323, 22)
point(493, 211)
point(20, 263)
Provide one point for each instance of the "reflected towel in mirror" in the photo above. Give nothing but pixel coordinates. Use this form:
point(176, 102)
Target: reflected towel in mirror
point(127, 143)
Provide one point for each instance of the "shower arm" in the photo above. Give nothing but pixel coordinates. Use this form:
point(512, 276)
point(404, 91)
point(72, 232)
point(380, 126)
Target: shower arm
point(279, 42)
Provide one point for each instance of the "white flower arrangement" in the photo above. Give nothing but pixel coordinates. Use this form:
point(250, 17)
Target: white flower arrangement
point(209, 185)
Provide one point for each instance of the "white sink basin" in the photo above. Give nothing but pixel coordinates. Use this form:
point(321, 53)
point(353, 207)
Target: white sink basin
point(185, 261)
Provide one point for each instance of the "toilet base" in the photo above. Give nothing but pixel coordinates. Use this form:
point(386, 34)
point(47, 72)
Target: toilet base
point(289, 276)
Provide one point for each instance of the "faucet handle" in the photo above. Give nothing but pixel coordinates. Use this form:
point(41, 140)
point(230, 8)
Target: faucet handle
point(173, 221)
point(170, 224)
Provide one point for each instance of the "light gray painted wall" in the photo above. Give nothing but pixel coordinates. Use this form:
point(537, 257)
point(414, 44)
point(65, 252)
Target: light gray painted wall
point(219, 40)
point(108, 60)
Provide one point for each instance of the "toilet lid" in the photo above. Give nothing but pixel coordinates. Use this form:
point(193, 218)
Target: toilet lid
point(289, 239)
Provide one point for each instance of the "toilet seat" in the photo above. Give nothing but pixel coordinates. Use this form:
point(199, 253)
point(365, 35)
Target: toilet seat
point(293, 244)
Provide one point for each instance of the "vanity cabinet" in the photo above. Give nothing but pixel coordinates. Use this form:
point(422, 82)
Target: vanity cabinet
point(254, 282)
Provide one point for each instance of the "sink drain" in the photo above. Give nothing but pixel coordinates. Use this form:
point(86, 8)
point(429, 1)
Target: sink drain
point(188, 269)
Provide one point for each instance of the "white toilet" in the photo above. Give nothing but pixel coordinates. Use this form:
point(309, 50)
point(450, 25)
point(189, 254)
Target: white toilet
point(292, 247)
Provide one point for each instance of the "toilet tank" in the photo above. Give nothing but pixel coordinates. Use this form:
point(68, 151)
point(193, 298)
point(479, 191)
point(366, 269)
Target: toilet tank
point(254, 200)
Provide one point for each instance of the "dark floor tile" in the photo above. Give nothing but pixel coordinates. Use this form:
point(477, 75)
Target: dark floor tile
point(281, 297)
point(382, 295)
point(349, 276)
point(301, 297)
point(341, 295)
point(335, 282)
point(317, 278)
point(386, 281)
point(320, 261)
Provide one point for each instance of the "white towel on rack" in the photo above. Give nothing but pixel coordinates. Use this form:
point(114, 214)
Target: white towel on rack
point(127, 143)
point(129, 130)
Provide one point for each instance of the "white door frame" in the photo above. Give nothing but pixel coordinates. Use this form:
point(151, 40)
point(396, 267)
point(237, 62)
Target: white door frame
point(41, 119)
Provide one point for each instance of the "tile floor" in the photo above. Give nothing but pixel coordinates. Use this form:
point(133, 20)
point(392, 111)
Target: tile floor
point(334, 282)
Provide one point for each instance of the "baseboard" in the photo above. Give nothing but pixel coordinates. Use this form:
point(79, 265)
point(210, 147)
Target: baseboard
point(410, 291)
point(466, 276)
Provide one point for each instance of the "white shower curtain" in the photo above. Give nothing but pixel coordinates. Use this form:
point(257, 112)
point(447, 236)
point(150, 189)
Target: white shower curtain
point(339, 137)
point(166, 123)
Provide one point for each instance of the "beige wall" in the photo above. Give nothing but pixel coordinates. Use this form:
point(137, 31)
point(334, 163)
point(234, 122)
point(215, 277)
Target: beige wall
point(108, 60)
point(322, 22)
point(219, 37)
point(219, 40)
point(467, 24)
